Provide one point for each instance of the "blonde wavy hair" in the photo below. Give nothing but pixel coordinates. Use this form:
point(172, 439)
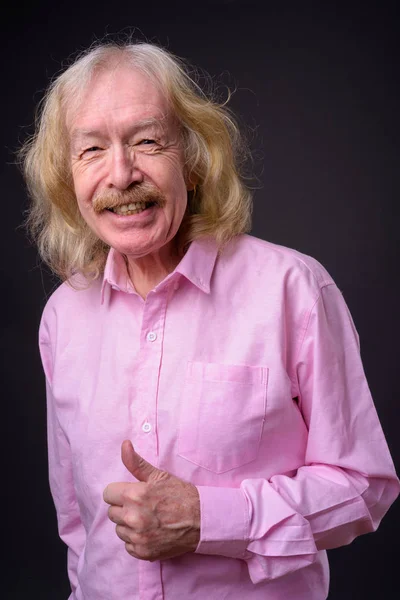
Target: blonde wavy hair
point(214, 152)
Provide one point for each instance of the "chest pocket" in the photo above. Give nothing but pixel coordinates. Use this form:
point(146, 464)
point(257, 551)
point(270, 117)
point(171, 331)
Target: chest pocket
point(222, 415)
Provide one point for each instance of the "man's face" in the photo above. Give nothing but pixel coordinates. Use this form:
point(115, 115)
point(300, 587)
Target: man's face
point(126, 155)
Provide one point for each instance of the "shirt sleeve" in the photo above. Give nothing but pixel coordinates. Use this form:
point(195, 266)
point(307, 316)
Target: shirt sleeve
point(70, 527)
point(348, 481)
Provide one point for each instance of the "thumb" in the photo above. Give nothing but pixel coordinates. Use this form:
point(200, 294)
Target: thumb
point(140, 468)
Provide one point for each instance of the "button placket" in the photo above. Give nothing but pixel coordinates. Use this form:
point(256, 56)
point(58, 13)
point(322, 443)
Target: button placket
point(152, 332)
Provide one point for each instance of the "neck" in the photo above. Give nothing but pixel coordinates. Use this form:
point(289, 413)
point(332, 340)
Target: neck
point(148, 271)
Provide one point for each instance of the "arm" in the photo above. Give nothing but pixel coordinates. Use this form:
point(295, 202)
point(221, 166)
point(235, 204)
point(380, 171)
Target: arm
point(70, 526)
point(348, 481)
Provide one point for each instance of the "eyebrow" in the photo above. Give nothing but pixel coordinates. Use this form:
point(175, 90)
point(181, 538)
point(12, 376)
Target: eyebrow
point(78, 134)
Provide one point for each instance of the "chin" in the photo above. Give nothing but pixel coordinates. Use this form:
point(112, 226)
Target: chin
point(135, 250)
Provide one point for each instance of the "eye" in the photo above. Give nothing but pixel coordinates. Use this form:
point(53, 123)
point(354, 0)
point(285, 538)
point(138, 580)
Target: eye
point(147, 142)
point(92, 149)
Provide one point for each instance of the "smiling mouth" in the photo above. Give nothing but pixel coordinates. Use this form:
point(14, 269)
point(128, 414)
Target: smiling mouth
point(132, 208)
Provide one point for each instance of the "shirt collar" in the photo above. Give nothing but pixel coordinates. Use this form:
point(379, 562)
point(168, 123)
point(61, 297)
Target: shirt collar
point(198, 263)
point(197, 266)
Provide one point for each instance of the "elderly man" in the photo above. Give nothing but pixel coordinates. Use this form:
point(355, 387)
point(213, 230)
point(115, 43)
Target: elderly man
point(225, 369)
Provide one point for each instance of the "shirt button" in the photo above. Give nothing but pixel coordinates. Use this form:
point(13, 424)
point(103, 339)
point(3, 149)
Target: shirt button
point(146, 427)
point(151, 336)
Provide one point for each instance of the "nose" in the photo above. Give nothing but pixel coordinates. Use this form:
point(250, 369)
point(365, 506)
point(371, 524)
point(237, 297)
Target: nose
point(123, 169)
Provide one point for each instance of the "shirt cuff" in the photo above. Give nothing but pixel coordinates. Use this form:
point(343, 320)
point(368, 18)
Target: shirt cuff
point(225, 522)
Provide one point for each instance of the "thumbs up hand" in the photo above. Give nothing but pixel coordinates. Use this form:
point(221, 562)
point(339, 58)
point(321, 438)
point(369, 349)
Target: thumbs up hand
point(159, 516)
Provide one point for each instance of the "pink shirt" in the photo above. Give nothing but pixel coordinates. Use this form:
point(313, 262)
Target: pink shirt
point(240, 373)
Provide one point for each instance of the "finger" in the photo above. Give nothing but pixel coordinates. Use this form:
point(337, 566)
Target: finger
point(124, 534)
point(141, 552)
point(115, 493)
point(130, 537)
point(137, 466)
point(116, 515)
point(130, 548)
point(134, 520)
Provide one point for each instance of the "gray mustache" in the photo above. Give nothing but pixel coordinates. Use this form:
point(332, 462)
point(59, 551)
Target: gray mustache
point(143, 192)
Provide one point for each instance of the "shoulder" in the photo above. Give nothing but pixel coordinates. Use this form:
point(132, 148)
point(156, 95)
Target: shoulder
point(68, 304)
point(273, 261)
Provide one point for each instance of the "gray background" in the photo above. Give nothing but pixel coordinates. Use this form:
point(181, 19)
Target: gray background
point(317, 93)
